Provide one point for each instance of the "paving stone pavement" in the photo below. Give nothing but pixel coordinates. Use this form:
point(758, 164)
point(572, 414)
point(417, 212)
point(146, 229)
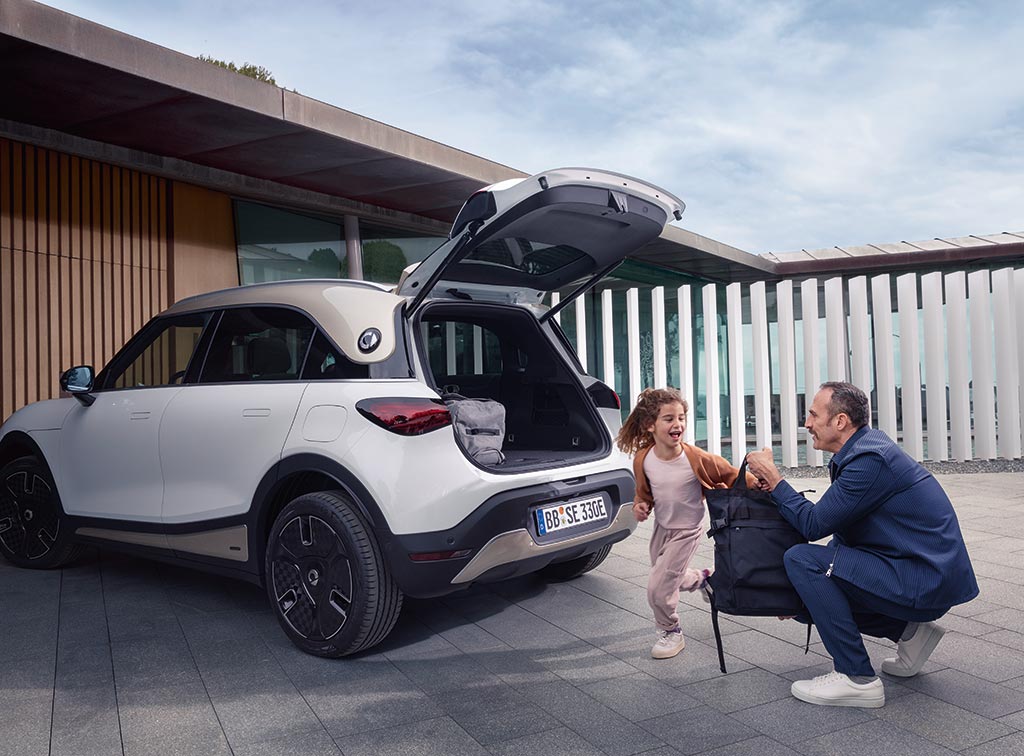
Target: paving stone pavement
point(115, 655)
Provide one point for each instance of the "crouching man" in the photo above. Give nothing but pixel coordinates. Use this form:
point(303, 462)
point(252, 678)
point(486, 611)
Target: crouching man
point(896, 561)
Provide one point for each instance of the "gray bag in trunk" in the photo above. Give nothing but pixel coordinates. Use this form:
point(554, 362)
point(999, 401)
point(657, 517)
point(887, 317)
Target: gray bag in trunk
point(479, 427)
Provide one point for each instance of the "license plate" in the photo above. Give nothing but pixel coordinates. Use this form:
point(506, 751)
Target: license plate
point(570, 514)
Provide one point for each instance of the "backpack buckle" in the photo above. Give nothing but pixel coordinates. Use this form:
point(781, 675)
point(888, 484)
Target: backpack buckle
point(717, 525)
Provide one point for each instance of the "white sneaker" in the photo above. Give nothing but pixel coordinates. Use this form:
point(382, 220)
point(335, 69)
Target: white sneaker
point(912, 653)
point(836, 689)
point(669, 643)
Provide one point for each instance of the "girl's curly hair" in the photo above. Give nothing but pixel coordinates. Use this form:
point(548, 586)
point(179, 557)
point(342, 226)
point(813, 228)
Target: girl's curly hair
point(634, 435)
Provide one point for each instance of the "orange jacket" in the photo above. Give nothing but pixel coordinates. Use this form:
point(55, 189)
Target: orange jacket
point(711, 470)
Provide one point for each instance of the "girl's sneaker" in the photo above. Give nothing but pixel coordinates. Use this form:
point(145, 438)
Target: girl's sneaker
point(669, 643)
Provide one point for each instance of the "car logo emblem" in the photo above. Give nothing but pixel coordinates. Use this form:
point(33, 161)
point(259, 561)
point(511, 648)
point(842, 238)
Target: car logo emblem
point(369, 340)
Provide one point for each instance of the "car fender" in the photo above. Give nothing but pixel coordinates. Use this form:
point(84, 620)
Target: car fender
point(270, 486)
point(38, 416)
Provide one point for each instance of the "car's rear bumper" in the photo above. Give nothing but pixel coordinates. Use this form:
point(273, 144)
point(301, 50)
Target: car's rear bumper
point(519, 546)
point(502, 540)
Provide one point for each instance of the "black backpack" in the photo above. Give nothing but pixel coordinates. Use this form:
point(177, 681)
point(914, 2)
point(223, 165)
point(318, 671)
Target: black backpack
point(750, 538)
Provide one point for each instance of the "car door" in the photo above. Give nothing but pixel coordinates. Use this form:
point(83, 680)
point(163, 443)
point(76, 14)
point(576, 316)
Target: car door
point(220, 435)
point(109, 451)
point(515, 241)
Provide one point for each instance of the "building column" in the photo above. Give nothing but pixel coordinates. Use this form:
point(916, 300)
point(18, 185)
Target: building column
point(353, 247)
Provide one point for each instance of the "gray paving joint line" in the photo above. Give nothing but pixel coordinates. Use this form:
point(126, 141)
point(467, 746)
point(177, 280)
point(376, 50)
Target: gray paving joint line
point(113, 670)
point(192, 656)
point(56, 661)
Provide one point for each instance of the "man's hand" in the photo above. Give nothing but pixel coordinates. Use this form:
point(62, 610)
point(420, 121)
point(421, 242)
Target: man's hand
point(641, 511)
point(761, 465)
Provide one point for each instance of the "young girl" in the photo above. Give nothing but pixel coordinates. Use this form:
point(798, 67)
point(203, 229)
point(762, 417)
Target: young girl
point(670, 480)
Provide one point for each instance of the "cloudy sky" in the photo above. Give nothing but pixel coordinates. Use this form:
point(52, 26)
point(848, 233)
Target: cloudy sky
point(782, 125)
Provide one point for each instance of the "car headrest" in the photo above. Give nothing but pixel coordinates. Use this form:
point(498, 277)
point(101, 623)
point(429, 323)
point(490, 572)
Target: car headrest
point(269, 355)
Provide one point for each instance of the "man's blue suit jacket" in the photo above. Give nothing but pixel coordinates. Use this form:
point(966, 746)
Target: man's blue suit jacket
point(894, 530)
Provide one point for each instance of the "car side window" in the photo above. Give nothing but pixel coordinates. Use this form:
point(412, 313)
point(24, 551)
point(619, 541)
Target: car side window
point(325, 362)
point(162, 358)
point(258, 344)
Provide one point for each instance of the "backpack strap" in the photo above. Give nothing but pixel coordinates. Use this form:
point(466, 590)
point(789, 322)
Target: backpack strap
point(740, 484)
point(718, 633)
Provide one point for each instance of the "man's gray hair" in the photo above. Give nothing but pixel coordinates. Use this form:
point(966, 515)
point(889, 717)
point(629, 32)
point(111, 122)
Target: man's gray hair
point(849, 400)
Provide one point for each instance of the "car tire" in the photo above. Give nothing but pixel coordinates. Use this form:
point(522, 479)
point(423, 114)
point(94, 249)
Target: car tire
point(33, 529)
point(326, 580)
point(575, 567)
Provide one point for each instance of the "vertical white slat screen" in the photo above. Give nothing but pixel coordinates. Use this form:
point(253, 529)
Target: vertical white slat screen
point(835, 330)
point(449, 347)
point(974, 345)
point(885, 362)
point(762, 371)
point(581, 331)
point(956, 348)
point(788, 419)
point(555, 299)
point(737, 391)
point(860, 328)
point(713, 407)
point(608, 343)
point(658, 335)
point(910, 365)
point(982, 375)
point(633, 343)
point(934, 367)
point(1007, 376)
point(685, 306)
point(478, 350)
point(1018, 298)
point(812, 362)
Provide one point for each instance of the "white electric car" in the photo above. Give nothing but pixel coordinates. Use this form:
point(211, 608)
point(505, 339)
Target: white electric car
point(293, 433)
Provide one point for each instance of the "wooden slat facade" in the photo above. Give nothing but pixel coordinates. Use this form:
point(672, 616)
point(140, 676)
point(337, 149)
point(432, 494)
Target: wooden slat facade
point(84, 261)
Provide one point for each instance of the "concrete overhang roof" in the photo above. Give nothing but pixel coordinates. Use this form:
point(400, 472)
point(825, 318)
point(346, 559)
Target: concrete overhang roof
point(869, 259)
point(65, 73)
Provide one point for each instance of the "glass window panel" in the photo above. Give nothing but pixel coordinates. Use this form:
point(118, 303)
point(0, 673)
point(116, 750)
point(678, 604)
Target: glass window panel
point(277, 245)
point(672, 336)
point(258, 344)
point(388, 251)
point(326, 362)
point(163, 361)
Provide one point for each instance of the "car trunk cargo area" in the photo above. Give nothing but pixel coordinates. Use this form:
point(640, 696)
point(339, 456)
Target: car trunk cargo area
point(499, 352)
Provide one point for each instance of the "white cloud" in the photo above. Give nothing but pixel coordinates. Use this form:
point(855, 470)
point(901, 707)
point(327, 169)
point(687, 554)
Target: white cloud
point(782, 124)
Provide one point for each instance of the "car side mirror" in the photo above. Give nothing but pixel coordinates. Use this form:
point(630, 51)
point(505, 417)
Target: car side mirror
point(78, 381)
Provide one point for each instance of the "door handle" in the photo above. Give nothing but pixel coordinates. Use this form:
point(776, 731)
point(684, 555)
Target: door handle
point(256, 412)
point(140, 415)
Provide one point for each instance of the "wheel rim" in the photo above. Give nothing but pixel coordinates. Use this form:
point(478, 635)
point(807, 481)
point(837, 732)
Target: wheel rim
point(29, 520)
point(312, 578)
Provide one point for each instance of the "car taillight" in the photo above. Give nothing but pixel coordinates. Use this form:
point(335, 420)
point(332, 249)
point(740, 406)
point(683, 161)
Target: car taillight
point(603, 396)
point(406, 417)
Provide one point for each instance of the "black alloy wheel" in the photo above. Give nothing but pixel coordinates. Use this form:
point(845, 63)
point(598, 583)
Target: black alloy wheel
point(31, 527)
point(325, 578)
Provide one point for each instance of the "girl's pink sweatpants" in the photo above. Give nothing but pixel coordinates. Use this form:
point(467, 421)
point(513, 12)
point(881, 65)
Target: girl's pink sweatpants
point(671, 552)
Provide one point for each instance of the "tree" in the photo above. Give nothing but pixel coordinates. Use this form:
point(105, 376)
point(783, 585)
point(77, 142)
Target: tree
point(325, 263)
point(246, 69)
point(383, 261)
